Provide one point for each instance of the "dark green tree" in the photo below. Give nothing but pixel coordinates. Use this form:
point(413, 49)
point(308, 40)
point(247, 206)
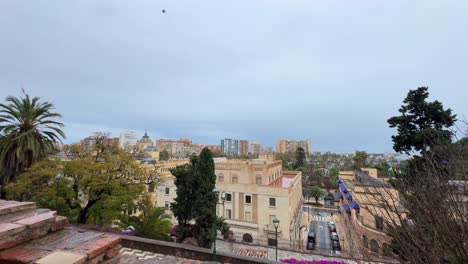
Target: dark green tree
point(182, 205)
point(300, 159)
point(222, 226)
point(359, 159)
point(152, 223)
point(204, 204)
point(422, 124)
point(164, 155)
point(315, 191)
point(28, 131)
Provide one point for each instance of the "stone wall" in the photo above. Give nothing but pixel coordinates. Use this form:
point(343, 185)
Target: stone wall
point(184, 251)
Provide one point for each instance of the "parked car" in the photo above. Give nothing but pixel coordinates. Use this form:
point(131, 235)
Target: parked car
point(336, 246)
point(332, 228)
point(334, 237)
point(311, 246)
point(311, 240)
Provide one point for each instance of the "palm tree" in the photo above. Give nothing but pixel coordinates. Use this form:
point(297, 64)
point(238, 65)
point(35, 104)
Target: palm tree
point(27, 134)
point(152, 223)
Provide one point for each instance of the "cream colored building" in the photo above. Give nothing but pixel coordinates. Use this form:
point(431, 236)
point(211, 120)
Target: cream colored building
point(165, 193)
point(362, 216)
point(257, 191)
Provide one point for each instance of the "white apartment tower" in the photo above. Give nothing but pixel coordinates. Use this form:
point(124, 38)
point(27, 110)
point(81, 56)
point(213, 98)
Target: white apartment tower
point(128, 139)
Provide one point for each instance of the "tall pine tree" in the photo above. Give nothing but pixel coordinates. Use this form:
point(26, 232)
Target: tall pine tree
point(204, 204)
point(195, 198)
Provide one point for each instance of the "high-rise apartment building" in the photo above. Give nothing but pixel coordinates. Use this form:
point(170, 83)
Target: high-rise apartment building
point(128, 139)
point(281, 146)
point(255, 148)
point(284, 145)
point(243, 147)
point(230, 146)
point(306, 145)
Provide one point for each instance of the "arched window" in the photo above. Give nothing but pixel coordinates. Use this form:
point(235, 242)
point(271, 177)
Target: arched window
point(386, 250)
point(365, 241)
point(374, 245)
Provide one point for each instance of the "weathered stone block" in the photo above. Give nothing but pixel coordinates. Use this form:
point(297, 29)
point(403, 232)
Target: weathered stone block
point(38, 220)
point(61, 257)
point(11, 207)
point(9, 229)
point(114, 251)
point(22, 255)
point(96, 247)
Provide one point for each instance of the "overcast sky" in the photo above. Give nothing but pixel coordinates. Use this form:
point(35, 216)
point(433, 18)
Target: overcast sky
point(332, 71)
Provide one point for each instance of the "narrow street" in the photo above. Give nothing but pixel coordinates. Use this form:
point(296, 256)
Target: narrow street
point(319, 220)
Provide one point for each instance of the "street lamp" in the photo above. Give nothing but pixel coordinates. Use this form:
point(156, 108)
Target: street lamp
point(276, 222)
point(57, 178)
point(216, 192)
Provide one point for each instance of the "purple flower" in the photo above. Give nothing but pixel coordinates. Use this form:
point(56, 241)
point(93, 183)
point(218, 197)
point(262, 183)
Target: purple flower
point(295, 261)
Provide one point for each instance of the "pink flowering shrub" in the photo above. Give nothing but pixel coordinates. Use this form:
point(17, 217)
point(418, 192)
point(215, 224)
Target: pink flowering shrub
point(295, 261)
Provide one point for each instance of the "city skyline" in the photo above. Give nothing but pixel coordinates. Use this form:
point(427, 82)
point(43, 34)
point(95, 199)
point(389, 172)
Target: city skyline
point(244, 69)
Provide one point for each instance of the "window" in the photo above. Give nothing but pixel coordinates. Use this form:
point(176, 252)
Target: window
point(365, 241)
point(248, 199)
point(386, 250)
point(374, 246)
point(151, 187)
point(228, 214)
point(166, 204)
point(272, 202)
point(228, 197)
point(221, 179)
point(258, 180)
point(248, 216)
point(379, 223)
point(167, 191)
point(235, 179)
point(271, 221)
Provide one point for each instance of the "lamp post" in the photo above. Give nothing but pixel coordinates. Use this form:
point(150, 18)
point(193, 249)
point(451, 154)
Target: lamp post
point(216, 192)
point(276, 222)
point(57, 178)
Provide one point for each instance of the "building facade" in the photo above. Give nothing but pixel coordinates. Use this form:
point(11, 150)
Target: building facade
point(128, 139)
point(284, 145)
point(165, 193)
point(144, 143)
point(255, 148)
point(360, 196)
point(306, 145)
point(230, 146)
point(176, 148)
point(257, 191)
point(243, 147)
